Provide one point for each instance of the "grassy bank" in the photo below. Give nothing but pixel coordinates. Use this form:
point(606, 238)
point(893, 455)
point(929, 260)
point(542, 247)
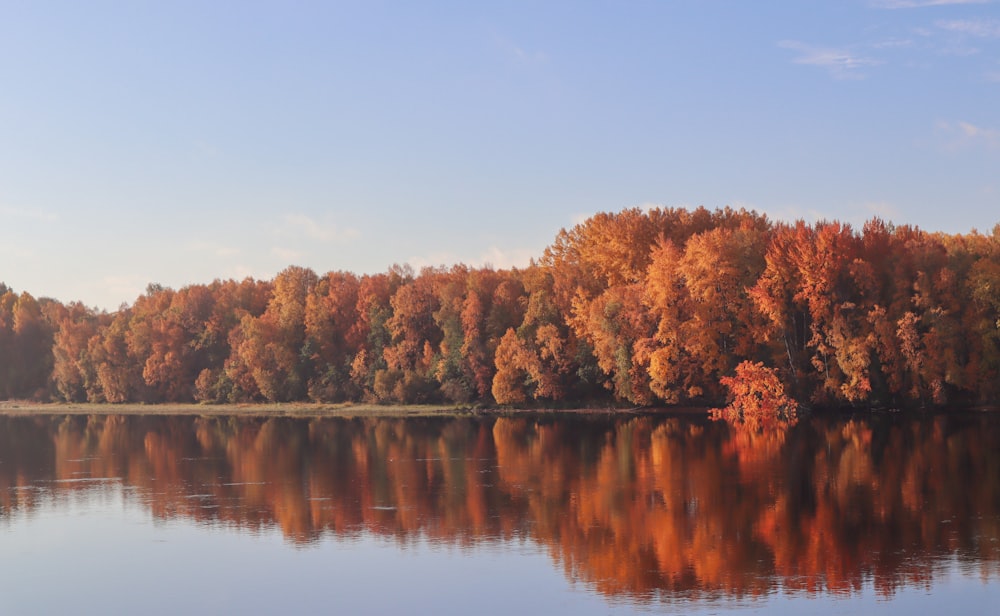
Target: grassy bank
point(286, 409)
point(292, 409)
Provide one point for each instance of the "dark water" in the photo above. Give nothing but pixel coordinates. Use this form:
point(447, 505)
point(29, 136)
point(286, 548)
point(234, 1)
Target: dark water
point(577, 514)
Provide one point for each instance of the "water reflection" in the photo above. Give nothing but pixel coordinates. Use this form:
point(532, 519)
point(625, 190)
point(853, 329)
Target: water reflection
point(641, 507)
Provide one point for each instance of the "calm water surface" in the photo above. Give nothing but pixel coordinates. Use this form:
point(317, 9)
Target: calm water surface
point(569, 514)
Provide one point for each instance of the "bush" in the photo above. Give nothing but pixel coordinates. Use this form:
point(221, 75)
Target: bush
point(758, 399)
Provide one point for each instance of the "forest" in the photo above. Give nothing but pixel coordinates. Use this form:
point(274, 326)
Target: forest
point(640, 307)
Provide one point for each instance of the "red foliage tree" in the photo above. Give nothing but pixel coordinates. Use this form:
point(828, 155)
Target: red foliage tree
point(758, 400)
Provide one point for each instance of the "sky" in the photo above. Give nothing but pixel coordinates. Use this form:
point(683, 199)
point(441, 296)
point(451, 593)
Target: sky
point(179, 142)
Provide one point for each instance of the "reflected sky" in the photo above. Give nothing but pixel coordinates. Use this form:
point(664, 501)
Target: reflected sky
point(110, 556)
point(494, 515)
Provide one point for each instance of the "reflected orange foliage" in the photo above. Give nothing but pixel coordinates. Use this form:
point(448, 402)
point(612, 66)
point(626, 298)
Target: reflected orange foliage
point(646, 507)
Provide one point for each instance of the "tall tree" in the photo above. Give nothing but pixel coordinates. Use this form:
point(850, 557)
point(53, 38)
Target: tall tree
point(333, 333)
point(25, 346)
point(271, 348)
point(73, 373)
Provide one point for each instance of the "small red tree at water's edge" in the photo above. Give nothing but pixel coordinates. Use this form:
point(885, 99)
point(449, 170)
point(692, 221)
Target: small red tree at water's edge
point(758, 399)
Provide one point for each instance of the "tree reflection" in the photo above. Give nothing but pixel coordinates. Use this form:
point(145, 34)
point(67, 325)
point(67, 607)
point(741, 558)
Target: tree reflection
point(642, 506)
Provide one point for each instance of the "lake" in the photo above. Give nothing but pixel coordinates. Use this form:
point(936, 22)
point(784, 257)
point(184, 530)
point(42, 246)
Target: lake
point(576, 513)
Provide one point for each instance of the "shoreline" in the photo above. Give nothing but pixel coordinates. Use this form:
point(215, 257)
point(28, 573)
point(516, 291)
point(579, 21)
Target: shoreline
point(310, 409)
point(351, 410)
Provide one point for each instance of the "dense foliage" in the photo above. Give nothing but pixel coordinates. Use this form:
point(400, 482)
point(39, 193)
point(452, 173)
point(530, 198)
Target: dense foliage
point(641, 306)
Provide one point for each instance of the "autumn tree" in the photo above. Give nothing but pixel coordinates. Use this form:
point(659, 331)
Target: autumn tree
point(448, 366)
point(984, 321)
point(157, 343)
point(705, 318)
point(837, 342)
point(477, 349)
point(374, 309)
point(119, 378)
point(758, 399)
point(269, 349)
point(223, 378)
point(775, 295)
point(517, 369)
point(610, 249)
point(25, 346)
point(671, 367)
point(617, 324)
point(412, 353)
point(333, 335)
point(563, 365)
point(817, 294)
point(496, 301)
point(73, 373)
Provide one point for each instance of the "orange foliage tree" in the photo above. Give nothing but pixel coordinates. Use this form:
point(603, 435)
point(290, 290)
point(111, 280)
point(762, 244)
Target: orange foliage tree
point(758, 399)
point(333, 333)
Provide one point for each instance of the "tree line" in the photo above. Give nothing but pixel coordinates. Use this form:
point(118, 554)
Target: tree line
point(640, 307)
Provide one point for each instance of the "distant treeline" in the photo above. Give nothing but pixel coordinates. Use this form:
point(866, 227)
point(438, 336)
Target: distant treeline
point(641, 307)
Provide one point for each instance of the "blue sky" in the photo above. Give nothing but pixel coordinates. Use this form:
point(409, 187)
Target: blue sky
point(178, 142)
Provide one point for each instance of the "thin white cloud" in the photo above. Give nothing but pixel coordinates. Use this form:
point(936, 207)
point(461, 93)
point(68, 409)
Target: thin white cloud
point(854, 214)
point(786, 213)
point(963, 134)
point(493, 257)
point(127, 287)
point(519, 53)
point(288, 255)
point(219, 250)
point(24, 213)
point(959, 50)
point(528, 56)
point(241, 272)
point(882, 209)
point(434, 259)
point(17, 252)
point(302, 225)
point(982, 28)
point(203, 150)
point(506, 259)
point(840, 63)
point(916, 4)
point(892, 44)
point(990, 136)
